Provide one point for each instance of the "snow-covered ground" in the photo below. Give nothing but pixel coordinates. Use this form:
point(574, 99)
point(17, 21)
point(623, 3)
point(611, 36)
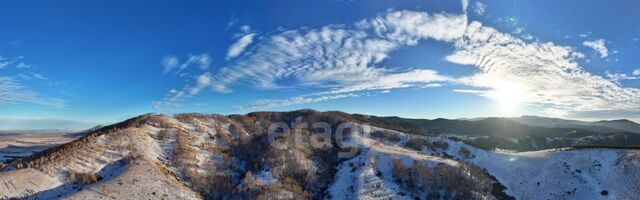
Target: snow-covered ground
point(23, 182)
point(561, 174)
point(550, 174)
point(143, 178)
point(369, 174)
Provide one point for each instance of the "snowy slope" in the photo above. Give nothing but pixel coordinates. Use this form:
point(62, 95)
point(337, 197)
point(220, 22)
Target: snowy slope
point(557, 173)
point(369, 174)
point(362, 183)
point(564, 174)
point(49, 177)
point(210, 156)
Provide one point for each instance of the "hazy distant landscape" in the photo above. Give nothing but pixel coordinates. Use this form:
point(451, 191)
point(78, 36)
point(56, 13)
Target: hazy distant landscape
point(17, 144)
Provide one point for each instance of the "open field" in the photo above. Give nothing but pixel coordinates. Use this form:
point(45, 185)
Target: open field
point(14, 145)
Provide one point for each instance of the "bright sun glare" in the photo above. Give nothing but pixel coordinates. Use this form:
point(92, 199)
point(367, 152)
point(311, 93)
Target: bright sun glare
point(509, 97)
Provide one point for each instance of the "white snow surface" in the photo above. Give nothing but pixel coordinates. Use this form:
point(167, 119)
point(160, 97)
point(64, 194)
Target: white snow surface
point(362, 182)
point(549, 174)
point(558, 173)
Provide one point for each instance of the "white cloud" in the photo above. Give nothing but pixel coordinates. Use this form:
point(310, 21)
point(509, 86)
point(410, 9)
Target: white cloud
point(336, 55)
point(30, 76)
point(38, 76)
point(232, 22)
point(238, 47)
point(616, 77)
point(344, 58)
point(584, 35)
point(12, 91)
point(527, 37)
point(636, 72)
point(202, 81)
point(295, 101)
point(480, 92)
point(171, 100)
point(22, 65)
point(598, 46)
point(343, 61)
point(4, 62)
point(175, 97)
point(245, 29)
point(465, 4)
point(169, 62)
point(172, 63)
point(415, 78)
point(518, 30)
point(536, 73)
point(479, 8)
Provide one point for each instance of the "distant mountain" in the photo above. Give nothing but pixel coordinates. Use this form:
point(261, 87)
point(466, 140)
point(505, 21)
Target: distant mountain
point(83, 133)
point(494, 126)
point(523, 133)
point(621, 124)
point(599, 126)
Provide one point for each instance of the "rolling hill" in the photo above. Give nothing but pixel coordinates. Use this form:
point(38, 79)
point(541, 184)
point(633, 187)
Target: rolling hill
point(307, 154)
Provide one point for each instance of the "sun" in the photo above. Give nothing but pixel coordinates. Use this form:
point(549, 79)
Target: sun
point(509, 97)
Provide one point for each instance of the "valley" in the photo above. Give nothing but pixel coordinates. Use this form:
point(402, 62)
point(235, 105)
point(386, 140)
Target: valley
point(18, 144)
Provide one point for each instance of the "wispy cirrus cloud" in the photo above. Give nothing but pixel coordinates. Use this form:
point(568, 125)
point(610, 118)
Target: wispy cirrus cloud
point(343, 58)
point(269, 103)
point(416, 78)
point(238, 47)
point(4, 61)
point(31, 76)
point(172, 63)
point(174, 98)
point(13, 91)
point(22, 65)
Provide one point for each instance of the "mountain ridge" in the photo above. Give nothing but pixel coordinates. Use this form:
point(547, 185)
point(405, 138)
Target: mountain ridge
point(210, 156)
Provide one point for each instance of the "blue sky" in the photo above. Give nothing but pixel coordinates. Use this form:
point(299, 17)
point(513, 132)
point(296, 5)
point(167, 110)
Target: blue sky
point(75, 64)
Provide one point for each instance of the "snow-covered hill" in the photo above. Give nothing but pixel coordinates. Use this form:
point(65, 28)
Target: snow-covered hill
point(548, 174)
point(195, 156)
